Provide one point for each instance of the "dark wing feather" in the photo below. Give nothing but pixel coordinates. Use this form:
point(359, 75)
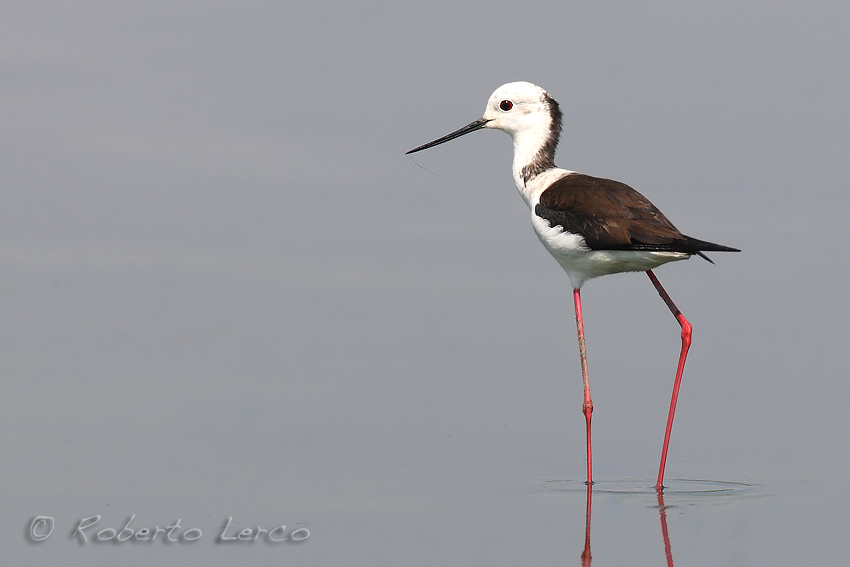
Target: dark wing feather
point(612, 216)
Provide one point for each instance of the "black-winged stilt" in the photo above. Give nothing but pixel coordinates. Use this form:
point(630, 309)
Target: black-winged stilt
point(592, 226)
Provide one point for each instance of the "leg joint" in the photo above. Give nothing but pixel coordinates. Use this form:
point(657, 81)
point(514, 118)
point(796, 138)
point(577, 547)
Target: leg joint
point(687, 329)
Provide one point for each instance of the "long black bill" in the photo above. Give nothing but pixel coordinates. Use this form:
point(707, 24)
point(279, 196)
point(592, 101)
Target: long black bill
point(471, 127)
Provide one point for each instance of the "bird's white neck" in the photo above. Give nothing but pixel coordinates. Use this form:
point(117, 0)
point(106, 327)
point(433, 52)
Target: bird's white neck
point(534, 154)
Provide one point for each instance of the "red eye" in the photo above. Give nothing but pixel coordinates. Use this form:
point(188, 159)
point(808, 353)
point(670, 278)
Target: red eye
point(506, 105)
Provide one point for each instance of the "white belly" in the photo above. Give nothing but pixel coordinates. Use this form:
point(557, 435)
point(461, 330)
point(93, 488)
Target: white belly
point(582, 264)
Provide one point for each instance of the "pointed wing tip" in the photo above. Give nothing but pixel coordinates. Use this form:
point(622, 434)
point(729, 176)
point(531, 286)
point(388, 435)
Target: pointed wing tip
point(725, 249)
point(704, 257)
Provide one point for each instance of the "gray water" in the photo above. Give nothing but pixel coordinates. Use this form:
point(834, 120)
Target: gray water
point(228, 297)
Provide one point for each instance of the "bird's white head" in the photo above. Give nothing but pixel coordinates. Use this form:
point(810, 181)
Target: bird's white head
point(533, 119)
point(520, 108)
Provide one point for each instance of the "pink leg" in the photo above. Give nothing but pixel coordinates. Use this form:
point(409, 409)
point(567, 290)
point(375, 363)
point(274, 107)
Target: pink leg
point(587, 407)
point(585, 555)
point(686, 344)
point(662, 509)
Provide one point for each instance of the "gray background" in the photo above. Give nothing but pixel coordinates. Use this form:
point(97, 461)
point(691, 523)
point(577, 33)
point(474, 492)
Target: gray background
point(225, 291)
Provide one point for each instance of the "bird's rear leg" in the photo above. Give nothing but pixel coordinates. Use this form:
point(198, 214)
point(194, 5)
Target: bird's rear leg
point(683, 355)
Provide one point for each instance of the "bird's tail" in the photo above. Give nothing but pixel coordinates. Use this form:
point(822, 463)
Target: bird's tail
point(700, 246)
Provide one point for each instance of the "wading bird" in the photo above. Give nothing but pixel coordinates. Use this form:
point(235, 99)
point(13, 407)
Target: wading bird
point(592, 226)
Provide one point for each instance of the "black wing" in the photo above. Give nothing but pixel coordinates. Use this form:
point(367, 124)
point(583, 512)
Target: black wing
point(612, 216)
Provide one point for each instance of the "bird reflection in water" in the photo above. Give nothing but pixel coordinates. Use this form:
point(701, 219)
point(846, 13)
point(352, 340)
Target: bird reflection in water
point(585, 555)
point(662, 511)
